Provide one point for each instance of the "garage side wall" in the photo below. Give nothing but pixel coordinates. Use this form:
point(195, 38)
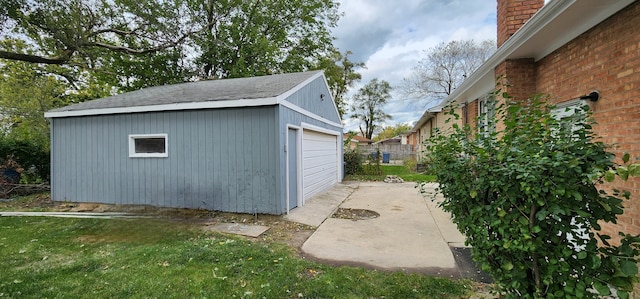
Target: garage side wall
point(325, 117)
point(309, 98)
point(218, 159)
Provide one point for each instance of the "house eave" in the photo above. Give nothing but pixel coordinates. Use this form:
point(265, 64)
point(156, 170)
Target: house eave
point(554, 25)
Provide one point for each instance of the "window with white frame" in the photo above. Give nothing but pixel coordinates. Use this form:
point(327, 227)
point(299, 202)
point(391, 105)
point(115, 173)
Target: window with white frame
point(148, 146)
point(571, 114)
point(486, 111)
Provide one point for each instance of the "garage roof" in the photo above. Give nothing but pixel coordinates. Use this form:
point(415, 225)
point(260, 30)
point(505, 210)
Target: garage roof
point(239, 92)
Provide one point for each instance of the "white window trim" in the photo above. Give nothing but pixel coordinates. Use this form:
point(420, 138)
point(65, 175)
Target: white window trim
point(568, 108)
point(132, 146)
point(484, 125)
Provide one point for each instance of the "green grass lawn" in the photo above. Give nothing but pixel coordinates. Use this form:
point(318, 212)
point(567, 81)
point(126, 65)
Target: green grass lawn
point(142, 258)
point(399, 170)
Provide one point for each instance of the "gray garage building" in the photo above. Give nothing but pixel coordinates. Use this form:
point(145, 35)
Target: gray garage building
point(262, 144)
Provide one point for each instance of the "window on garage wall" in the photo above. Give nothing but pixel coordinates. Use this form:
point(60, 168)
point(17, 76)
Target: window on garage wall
point(148, 146)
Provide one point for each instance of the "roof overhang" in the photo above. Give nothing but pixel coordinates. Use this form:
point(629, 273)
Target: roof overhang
point(554, 25)
point(167, 107)
point(253, 102)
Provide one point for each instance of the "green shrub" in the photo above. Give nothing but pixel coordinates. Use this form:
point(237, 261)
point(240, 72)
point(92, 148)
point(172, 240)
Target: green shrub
point(32, 155)
point(410, 163)
point(372, 167)
point(353, 161)
point(526, 198)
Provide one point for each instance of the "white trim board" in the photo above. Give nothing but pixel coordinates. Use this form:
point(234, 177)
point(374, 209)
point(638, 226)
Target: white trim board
point(308, 113)
point(167, 107)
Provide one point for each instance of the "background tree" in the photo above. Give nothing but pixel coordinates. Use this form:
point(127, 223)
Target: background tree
point(367, 106)
point(391, 131)
point(341, 74)
point(26, 92)
point(444, 68)
point(77, 32)
point(133, 44)
point(250, 38)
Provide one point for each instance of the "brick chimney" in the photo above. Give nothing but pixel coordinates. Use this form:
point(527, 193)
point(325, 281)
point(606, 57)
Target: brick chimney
point(512, 14)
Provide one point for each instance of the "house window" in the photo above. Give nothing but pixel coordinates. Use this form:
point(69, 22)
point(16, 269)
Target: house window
point(486, 111)
point(148, 146)
point(571, 114)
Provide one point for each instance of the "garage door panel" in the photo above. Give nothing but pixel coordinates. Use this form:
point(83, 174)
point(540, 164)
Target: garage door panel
point(312, 172)
point(319, 161)
point(320, 166)
point(319, 182)
point(319, 146)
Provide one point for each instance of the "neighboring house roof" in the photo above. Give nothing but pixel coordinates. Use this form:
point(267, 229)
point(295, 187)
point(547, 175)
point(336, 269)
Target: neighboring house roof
point(362, 139)
point(554, 25)
point(252, 91)
point(428, 114)
point(357, 138)
point(396, 139)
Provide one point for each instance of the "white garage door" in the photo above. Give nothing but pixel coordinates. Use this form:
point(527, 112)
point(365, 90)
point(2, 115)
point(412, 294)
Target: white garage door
point(319, 162)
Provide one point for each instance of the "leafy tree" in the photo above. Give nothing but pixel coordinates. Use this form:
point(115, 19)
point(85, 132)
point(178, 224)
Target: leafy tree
point(78, 32)
point(26, 92)
point(392, 131)
point(527, 198)
point(250, 38)
point(444, 68)
point(341, 75)
point(135, 44)
point(367, 106)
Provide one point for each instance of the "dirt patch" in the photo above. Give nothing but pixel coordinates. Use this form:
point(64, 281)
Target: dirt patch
point(292, 233)
point(355, 214)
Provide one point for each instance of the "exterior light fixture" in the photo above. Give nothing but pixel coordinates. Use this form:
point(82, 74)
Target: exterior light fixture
point(593, 96)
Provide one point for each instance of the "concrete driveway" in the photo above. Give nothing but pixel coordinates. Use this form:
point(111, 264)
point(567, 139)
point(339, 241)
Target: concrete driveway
point(411, 234)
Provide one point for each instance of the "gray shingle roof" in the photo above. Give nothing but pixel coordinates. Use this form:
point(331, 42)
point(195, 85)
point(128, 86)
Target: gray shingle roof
point(201, 91)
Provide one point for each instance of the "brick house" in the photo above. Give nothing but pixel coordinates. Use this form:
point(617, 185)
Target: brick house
point(568, 49)
point(432, 119)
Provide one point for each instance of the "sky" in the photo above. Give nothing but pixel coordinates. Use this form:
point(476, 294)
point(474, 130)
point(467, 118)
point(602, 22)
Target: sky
point(390, 37)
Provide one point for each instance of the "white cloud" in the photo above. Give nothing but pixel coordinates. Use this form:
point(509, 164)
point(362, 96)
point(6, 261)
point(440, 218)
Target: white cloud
point(390, 37)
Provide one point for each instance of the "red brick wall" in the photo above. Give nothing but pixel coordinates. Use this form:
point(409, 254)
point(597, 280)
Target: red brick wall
point(512, 14)
point(607, 59)
point(472, 114)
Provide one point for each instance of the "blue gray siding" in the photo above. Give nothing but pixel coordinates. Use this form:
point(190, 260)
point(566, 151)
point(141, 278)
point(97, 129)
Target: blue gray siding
point(219, 159)
point(309, 99)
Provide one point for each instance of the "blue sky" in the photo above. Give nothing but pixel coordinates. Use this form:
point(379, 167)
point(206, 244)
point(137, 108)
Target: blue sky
point(391, 36)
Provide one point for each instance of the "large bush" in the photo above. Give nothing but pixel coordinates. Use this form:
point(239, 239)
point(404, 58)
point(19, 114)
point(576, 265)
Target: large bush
point(31, 154)
point(352, 161)
point(527, 198)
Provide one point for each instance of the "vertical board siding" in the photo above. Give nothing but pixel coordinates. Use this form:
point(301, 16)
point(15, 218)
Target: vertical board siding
point(220, 159)
point(307, 98)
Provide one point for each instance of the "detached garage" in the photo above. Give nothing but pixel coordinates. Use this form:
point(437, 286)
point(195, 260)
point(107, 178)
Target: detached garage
point(250, 145)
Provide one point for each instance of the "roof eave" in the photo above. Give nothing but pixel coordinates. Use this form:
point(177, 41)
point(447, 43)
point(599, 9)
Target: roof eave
point(561, 20)
point(166, 107)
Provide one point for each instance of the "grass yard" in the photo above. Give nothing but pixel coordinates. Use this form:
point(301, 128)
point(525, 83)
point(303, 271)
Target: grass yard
point(399, 170)
point(121, 258)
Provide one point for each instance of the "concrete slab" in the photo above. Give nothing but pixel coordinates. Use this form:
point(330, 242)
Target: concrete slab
point(240, 229)
point(405, 236)
point(321, 206)
point(448, 229)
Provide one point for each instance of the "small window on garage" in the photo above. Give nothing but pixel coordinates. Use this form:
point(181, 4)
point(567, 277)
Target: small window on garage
point(148, 146)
